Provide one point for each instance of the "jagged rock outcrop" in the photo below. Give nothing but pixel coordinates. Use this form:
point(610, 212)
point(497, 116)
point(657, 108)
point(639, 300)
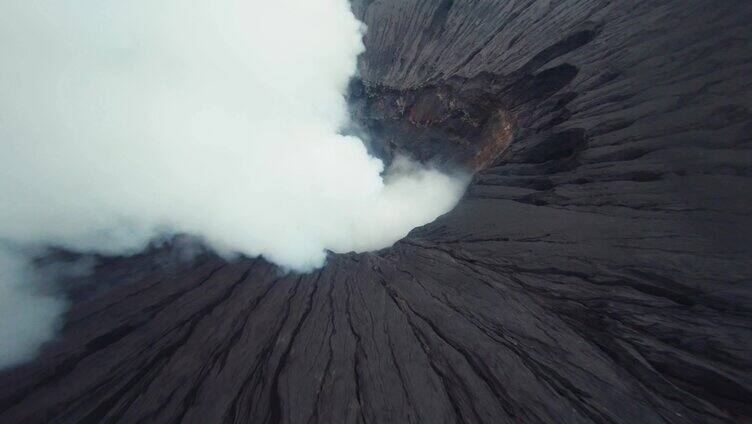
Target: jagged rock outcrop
point(597, 270)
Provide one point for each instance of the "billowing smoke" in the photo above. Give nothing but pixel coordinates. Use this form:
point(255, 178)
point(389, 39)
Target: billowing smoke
point(121, 119)
point(28, 314)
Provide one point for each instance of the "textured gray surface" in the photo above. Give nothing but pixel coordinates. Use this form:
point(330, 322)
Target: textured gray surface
point(598, 269)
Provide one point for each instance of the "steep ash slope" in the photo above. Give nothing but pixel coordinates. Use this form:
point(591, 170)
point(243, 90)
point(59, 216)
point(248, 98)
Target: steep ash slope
point(597, 270)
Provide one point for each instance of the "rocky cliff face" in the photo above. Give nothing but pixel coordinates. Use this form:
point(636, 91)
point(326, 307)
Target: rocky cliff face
point(598, 269)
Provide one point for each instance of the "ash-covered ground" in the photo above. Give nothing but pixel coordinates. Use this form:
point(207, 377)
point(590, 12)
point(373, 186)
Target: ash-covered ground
point(597, 269)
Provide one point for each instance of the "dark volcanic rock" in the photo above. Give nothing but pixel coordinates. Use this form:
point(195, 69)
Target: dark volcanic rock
point(598, 269)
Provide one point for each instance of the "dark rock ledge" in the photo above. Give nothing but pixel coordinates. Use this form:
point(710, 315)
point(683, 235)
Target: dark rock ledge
point(598, 269)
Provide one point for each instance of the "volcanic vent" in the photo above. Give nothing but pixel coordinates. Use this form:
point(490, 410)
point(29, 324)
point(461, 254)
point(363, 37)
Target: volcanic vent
point(596, 270)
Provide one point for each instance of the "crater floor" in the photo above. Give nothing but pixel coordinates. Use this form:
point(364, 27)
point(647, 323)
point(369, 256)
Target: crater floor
point(597, 270)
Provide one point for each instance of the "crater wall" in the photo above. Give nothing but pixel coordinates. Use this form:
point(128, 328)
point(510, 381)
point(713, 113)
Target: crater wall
point(597, 270)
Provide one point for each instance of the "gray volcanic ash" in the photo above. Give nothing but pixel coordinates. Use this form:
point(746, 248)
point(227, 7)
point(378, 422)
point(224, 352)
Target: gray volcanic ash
point(596, 270)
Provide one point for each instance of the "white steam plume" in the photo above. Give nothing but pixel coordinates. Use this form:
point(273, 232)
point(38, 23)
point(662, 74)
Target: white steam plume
point(122, 118)
point(28, 315)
